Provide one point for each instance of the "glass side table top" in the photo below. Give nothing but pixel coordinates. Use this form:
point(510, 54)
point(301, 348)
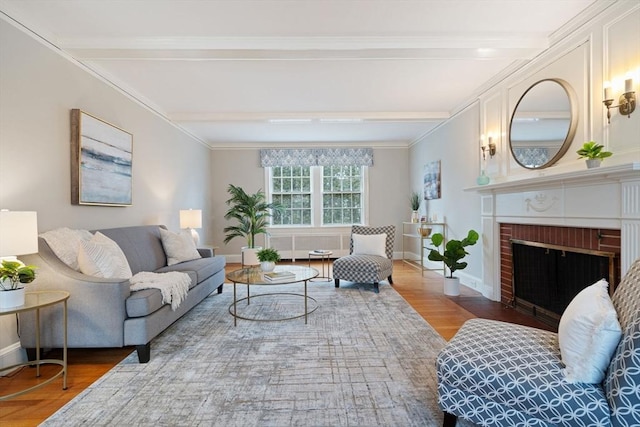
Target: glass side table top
point(37, 299)
point(255, 276)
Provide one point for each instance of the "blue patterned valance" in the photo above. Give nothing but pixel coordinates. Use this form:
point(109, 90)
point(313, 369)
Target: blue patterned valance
point(287, 157)
point(531, 155)
point(316, 157)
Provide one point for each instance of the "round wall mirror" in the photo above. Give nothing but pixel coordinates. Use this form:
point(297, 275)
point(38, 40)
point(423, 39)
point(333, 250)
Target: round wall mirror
point(543, 124)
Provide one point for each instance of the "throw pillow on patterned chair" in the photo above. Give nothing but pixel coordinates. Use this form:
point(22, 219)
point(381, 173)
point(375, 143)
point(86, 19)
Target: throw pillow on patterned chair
point(370, 258)
point(501, 374)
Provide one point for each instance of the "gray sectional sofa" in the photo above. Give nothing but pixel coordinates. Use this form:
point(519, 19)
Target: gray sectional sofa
point(105, 312)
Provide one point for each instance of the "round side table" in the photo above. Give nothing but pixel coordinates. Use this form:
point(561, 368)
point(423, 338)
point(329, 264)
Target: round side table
point(324, 260)
point(34, 301)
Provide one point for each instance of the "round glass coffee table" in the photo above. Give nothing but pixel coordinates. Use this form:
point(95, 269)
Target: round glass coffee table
point(282, 275)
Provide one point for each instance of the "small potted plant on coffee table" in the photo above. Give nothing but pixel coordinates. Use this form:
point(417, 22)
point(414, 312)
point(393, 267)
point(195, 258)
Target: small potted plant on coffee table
point(268, 258)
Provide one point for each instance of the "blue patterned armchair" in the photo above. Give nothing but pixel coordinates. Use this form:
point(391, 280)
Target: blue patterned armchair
point(367, 268)
point(500, 374)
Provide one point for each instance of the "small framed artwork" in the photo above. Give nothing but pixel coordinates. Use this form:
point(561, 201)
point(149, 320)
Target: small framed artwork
point(101, 162)
point(432, 180)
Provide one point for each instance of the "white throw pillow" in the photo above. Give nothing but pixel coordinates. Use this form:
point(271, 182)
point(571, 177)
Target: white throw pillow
point(588, 334)
point(178, 247)
point(102, 257)
point(65, 243)
point(370, 244)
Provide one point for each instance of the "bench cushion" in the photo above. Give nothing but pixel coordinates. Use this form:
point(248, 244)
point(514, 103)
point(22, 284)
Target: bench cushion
point(514, 378)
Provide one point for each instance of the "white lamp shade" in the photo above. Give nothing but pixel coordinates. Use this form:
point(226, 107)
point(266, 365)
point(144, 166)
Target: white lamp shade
point(18, 233)
point(191, 218)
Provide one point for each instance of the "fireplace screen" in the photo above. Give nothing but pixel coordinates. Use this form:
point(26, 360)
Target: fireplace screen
point(547, 277)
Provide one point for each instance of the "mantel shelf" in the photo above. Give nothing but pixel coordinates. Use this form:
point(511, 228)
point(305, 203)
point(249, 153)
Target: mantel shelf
point(615, 173)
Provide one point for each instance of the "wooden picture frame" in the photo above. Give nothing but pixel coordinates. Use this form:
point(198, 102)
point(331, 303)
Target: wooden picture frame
point(101, 162)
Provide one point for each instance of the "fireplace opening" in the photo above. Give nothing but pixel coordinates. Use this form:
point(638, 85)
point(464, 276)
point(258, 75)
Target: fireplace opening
point(546, 277)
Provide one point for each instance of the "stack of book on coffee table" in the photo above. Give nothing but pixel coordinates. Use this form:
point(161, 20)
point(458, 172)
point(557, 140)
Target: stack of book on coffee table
point(279, 276)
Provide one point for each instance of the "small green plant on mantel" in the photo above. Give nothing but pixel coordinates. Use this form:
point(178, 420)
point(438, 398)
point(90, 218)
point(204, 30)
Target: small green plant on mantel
point(13, 273)
point(268, 255)
point(593, 151)
point(454, 251)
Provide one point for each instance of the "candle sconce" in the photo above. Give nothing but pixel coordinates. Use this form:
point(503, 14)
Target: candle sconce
point(490, 147)
point(626, 102)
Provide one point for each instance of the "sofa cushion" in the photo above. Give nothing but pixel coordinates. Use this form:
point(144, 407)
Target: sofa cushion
point(178, 247)
point(141, 245)
point(65, 243)
point(494, 372)
point(202, 267)
point(102, 257)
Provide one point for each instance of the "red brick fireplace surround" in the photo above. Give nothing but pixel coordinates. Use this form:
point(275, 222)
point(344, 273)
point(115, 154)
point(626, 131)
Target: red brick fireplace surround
point(575, 237)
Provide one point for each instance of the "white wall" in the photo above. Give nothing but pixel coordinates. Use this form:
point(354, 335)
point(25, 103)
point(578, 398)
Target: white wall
point(38, 88)
point(388, 183)
point(605, 48)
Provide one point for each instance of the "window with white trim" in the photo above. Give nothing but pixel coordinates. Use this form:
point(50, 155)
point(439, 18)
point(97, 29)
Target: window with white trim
point(314, 196)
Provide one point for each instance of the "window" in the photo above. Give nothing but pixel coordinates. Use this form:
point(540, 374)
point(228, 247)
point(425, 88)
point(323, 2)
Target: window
point(316, 195)
point(341, 195)
point(291, 187)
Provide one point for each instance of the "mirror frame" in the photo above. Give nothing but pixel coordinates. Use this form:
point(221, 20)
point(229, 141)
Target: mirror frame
point(573, 124)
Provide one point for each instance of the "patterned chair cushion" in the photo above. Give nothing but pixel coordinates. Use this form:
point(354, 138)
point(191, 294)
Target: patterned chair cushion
point(362, 268)
point(501, 374)
point(366, 268)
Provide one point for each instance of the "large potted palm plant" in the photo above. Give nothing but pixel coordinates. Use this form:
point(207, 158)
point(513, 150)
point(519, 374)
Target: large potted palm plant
point(251, 213)
point(451, 256)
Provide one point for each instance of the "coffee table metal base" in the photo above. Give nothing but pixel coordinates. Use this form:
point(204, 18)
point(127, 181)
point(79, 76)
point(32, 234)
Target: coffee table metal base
point(234, 313)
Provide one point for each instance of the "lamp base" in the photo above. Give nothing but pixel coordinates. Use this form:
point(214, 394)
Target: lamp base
point(195, 235)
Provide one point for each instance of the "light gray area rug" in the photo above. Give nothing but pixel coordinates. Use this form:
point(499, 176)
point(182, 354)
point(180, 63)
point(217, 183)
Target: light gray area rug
point(363, 359)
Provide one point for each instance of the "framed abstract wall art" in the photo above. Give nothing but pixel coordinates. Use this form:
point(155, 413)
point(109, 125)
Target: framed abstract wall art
point(101, 162)
point(431, 181)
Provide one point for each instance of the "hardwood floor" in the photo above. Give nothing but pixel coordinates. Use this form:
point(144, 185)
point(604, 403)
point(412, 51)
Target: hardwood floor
point(424, 294)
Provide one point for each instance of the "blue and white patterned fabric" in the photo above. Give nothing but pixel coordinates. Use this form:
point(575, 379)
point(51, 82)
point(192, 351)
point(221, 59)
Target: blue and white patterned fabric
point(366, 268)
point(622, 381)
point(501, 374)
point(316, 157)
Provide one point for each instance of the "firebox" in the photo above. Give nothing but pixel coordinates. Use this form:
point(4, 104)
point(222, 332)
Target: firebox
point(546, 277)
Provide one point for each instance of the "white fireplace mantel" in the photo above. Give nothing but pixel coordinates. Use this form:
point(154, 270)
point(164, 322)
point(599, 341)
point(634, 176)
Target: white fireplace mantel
point(544, 178)
point(605, 197)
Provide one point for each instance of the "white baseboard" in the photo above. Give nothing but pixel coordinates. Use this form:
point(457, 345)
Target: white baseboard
point(12, 355)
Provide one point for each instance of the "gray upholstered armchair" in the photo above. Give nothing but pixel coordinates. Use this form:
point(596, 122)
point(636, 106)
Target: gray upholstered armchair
point(370, 256)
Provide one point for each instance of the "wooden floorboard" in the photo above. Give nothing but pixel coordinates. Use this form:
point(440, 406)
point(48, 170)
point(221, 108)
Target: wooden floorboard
point(423, 292)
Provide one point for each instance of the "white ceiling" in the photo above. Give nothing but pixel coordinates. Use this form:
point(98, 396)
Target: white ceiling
point(248, 72)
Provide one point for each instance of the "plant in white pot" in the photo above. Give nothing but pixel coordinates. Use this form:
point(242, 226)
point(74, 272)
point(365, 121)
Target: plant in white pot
point(593, 153)
point(452, 255)
point(414, 200)
point(13, 276)
point(268, 258)
point(251, 213)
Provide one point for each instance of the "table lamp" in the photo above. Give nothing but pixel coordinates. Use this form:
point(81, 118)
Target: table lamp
point(191, 219)
point(18, 234)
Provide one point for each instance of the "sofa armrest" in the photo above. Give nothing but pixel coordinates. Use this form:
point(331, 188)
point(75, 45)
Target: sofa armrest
point(207, 252)
point(96, 306)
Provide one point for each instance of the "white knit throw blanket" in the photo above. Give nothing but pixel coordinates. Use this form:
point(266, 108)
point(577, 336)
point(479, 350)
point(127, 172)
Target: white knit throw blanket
point(174, 285)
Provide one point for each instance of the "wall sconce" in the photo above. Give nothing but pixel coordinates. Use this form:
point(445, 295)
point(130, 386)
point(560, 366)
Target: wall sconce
point(626, 103)
point(490, 147)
